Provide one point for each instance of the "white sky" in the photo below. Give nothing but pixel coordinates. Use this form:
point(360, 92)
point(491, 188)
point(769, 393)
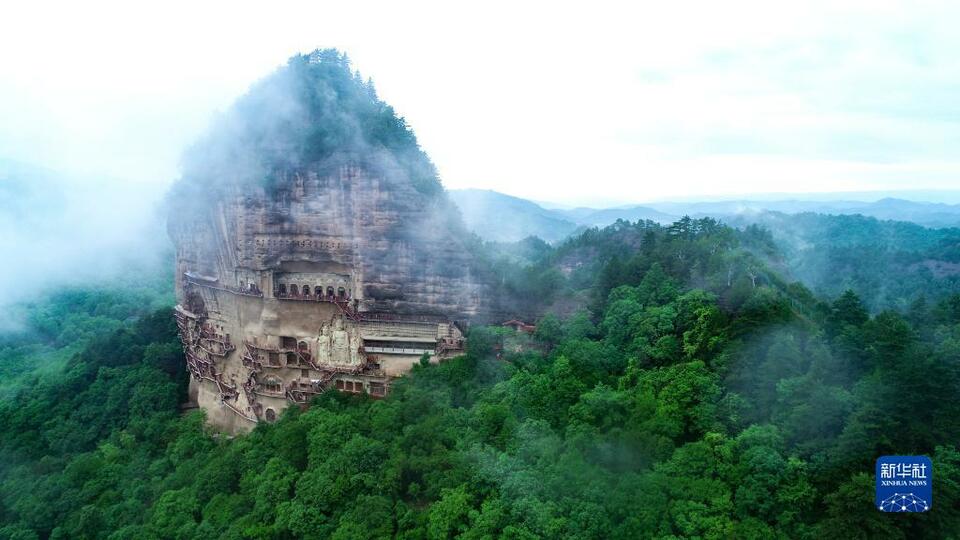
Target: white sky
point(575, 103)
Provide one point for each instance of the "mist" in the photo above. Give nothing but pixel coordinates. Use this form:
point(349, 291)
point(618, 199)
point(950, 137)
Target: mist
point(93, 132)
point(62, 230)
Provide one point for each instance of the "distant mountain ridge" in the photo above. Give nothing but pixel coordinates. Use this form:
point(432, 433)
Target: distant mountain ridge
point(592, 217)
point(500, 217)
point(504, 218)
point(928, 214)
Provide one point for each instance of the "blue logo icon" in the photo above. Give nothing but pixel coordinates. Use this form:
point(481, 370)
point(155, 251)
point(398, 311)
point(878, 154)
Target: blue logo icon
point(904, 484)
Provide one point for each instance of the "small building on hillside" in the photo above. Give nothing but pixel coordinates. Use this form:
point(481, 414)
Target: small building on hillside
point(520, 326)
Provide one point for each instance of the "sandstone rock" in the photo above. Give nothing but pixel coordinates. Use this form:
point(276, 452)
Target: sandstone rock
point(325, 270)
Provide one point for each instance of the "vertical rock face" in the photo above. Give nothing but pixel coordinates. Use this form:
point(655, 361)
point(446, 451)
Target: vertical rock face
point(389, 247)
point(315, 248)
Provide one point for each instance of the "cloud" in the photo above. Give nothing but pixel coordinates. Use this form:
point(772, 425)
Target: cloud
point(580, 103)
point(60, 231)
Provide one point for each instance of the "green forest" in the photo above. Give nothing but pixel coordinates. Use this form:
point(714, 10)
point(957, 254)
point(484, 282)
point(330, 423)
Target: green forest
point(694, 390)
point(908, 262)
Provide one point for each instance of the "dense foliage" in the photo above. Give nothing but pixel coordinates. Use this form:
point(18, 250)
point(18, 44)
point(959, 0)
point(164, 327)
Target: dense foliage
point(701, 397)
point(584, 269)
point(47, 331)
point(907, 262)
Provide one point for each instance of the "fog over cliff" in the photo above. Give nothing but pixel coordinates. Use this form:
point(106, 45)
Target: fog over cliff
point(65, 228)
point(311, 154)
point(315, 109)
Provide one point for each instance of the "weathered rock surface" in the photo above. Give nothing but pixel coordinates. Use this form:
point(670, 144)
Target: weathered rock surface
point(397, 250)
point(315, 249)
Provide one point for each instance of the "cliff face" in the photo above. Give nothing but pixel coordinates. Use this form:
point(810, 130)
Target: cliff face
point(311, 176)
point(316, 250)
point(392, 248)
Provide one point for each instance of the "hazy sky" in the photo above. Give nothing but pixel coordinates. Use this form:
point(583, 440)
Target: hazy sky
point(587, 102)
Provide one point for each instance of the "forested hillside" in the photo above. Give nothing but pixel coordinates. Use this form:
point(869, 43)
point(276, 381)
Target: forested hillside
point(45, 332)
point(697, 395)
point(821, 243)
point(890, 264)
point(499, 217)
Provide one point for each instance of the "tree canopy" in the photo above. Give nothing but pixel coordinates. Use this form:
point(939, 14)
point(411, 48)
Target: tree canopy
point(695, 394)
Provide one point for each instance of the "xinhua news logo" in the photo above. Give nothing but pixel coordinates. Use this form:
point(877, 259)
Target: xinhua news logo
point(904, 484)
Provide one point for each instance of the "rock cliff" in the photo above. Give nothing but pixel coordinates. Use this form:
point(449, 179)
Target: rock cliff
point(315, 248)
point(392, 248)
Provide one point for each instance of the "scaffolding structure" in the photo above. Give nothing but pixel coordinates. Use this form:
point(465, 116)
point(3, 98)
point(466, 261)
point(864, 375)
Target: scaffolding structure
point(205, 347)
